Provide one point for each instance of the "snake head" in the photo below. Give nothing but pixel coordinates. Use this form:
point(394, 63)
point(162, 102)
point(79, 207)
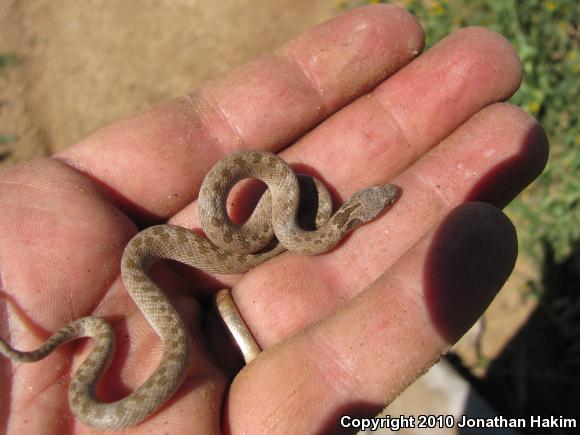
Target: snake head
point(366, 204)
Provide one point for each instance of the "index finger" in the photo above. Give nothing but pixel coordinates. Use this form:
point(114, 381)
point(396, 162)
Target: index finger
point(155, 161)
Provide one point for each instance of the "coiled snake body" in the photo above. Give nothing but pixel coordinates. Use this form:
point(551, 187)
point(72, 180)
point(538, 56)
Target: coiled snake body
point(233, 249)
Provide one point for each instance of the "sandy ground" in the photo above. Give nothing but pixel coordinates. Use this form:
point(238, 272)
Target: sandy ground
point(86, 64)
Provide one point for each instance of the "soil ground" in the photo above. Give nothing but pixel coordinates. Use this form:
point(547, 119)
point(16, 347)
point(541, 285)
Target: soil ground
point(86, 64)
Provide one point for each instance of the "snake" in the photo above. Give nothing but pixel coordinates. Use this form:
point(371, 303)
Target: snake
point(228, 248)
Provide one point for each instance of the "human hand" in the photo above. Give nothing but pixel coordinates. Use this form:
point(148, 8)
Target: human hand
point(343, 332)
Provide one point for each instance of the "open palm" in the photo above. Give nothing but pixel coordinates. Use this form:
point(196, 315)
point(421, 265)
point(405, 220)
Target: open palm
point(342, 333)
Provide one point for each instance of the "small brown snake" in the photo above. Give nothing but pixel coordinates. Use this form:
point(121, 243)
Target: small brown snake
point(233, 249)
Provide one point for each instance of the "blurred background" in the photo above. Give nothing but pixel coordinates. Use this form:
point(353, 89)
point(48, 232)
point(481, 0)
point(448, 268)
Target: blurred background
point(68, 68)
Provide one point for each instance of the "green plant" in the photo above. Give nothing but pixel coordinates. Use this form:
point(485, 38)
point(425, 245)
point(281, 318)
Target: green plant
point(545, 34)
point(8, 59)
point(7, 139)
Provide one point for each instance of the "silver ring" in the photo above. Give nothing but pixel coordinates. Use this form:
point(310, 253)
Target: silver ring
point(232, 318)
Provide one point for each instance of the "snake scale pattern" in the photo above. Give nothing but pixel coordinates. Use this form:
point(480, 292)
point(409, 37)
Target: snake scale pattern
point(231, 248)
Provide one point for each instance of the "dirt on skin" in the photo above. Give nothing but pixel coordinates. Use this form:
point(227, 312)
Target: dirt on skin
point(69, 67)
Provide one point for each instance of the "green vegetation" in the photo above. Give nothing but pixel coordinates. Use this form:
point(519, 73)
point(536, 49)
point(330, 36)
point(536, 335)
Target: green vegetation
point(8, 59)
point(546, 36)
point(545, 33)
point(7, 139)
